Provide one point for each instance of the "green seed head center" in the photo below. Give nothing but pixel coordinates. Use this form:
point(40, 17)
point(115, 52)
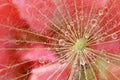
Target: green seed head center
point(80, 44)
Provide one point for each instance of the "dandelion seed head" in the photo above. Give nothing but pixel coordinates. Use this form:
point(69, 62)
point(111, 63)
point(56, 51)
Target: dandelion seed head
point(71, 31)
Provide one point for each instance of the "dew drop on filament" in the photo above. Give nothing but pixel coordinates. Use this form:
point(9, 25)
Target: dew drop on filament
point(72, 24)
point(107, 60)
point(76, 68)
point(114, 36)
point(85, 28)
point(82, 62)
point(103, 52)
point(66, 33)
point(20, 49)
point(57, 49)
point(81, 18)
point(94, 22)
point(87, 36)
point(100, 13)
point(73, 78)
point(61, 42)
point(62, 61)
point(68, 26)
point(102, 39)
point(41, 60)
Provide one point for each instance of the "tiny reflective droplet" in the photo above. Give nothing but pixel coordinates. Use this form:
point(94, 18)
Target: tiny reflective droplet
point(98, 41)
point(81, 18)
point(62, 30)
point(72, 50)
point(41, 60)
point(102, 39)
point(57, 49)
point(114, 36)
point(61, 42)
point(61, 55)
point(94, 22)
point(72, 24)
point(20, 49)
point(103, 52)
point(107, 60)
point(87, 36)
point(73, 78)
point(76, 68)
point(48, 48)
point(85, 28)
point(44, 42)
point(94, 61)
point(62, 61)
point(82, 62)
point(68, 26)
point(66, 33)
point(101, 12)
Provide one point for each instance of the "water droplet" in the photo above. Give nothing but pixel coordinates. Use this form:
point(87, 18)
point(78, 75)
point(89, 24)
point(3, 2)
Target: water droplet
point(66, 33)
point(61, 42)
point(44, 42)
point(97, 41)
point(62, 30)
point(82, 18)
point(107, 60)
point(114, 36)
point(76, 68)
point(73, 78)
point(103, 52)
point(82, 62)
point(101, 12)
point(41, 60)
point(85, 28)
point(72, 24)
point(20, 49)
point(102, 39)
point(68, 26)
point(62, 61)
point(87, 36)
point(94, 22)
point(57, 49)
point(72, 50)
point(61, 55)
point(48, 48)
point(94, 61)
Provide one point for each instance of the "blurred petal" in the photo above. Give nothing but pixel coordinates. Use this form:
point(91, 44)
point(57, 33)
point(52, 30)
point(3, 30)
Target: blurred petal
point(34, 11)
point(49, 72)
point(9, 16)
point(37, 21)
point(37, 53)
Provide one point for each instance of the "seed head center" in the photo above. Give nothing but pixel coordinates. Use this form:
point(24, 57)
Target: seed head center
point(80, 44)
